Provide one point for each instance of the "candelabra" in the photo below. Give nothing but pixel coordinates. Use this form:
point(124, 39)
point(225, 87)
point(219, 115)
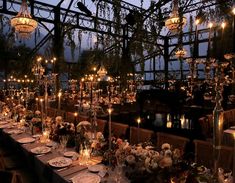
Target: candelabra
point(47, 80)
point(218, 113)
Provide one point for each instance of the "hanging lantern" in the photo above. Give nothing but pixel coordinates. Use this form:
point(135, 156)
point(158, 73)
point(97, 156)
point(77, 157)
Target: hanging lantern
point(180, 53)
point(175, 22)
point(23, 23)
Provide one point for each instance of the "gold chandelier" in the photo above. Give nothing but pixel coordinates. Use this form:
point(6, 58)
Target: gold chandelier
point(180, 53)
point(102, 72)
point(175, 22)
point(23, 23)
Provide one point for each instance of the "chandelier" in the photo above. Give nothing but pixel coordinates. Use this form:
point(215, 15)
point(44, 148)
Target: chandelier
point(175, 22)
point(102, 72)
point(23, 23)
point(180, 53)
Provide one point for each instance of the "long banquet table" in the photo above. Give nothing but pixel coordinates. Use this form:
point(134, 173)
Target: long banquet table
point(39, 163)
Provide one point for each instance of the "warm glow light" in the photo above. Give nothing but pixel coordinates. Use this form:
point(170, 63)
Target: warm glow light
point(233, 11)
point(109, 110)
point(75, 114)
point(223, 25)
point(210, 25)
point(138, 120)
point(41, 100)
point(94, 68)
point(36, 99)
point(23, 23)
point(197, 21)
point(59, 94)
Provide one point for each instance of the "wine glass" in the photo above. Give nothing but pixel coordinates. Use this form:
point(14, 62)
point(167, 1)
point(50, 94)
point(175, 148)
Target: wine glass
point(63, 142)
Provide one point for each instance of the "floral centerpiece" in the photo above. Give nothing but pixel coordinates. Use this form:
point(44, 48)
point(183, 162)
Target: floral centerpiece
point(144, 162)
point(61, 128)
point(18, 112)
point(36, 122)
point(85, 138)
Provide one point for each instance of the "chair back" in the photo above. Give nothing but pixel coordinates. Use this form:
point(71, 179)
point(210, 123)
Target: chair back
point(51, 112)
point(226, 158)
point(83, 118)
point(70, 117)
point(119, 129)
point(101, 125)
point(174, 140)
point(204, 153)
point(138, 135)
point(60, 113)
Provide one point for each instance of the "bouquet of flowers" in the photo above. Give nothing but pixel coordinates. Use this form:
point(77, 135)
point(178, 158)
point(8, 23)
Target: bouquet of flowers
point(61, 128)
point(36, 122)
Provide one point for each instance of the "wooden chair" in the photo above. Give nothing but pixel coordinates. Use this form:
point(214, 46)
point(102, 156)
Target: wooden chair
point(69, 116)
point(60, 113)
point(173, 140)
point(10, 177)
point(119, 129)
point(204, 155)
point(226, 158)
point(51, 112)
point(101, 125)
point(144, 135)
point(83, 118)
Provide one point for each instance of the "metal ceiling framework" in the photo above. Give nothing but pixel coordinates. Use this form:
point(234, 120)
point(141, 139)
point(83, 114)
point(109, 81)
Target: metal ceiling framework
point(71, 19)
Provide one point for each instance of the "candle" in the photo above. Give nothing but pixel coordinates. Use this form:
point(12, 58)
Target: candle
point(138, 135)
point(110, 127)
point(36, 99)
point(41, 101)
point(59, 98)
point(222, 38)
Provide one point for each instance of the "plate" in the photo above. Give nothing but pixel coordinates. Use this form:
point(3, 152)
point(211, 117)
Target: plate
point(16, 131)
point(37, 136)
point(70, 154)
point(26, 140)
point(5, 126)
point(96, 168)
point(41, 150)
point(3, 122)
point(86, 178)
point(51, 144)
point(60, 162)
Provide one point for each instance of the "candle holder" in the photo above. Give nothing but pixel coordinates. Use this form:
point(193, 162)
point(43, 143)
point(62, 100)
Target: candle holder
point(218, 114)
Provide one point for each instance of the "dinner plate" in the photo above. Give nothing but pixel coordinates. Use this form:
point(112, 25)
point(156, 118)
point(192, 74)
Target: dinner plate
point(26, 140)
point(3, 122)
point(96, 168)
point(5, 126)
point(86, 178)
point(51, 144)
point(41, 150)
point(15, 131)
point(60, 162)
point(70, 154)
point(37, 136)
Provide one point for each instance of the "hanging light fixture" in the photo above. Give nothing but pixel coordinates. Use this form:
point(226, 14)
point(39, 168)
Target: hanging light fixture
point(175, 22)
point(23, 23)
point(180, 53)
point(102, 72)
